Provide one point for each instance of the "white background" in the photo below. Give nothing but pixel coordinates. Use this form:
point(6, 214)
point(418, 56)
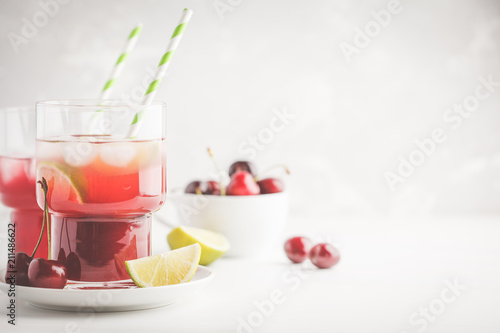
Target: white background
point(232, 69)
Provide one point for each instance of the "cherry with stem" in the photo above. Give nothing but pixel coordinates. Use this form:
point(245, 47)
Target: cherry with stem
point(22, 260)
point(46, 273)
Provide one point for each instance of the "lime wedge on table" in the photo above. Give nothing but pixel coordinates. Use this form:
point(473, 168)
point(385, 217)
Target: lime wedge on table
point(177, 266)
point(213, 244)
point(64, 182)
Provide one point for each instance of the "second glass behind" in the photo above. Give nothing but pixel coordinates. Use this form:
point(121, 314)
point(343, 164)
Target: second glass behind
point(102, 185)
point(17, 178)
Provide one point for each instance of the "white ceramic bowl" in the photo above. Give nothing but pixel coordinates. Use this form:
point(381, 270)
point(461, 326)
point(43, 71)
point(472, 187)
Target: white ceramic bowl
point(253, 224)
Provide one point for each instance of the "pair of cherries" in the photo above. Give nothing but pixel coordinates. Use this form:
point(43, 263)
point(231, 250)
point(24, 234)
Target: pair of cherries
point(322, 255)
point(38, 272)
point(244, 181)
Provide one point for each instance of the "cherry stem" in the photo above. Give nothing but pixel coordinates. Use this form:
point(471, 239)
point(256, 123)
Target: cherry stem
point(219, 173)
point(43, 184)
point(282, 166)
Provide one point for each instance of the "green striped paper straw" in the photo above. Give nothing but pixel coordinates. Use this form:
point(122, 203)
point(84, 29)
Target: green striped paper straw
point(120, 63)
point(160, 73)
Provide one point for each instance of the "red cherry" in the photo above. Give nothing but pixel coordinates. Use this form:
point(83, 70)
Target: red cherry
point(270, 185)
point(213, 187)
point(242, 183)
point(297, 249)
point(47, 274)
point(324, 255)
point(196, 187)
point(242, 166)
point(21, 263)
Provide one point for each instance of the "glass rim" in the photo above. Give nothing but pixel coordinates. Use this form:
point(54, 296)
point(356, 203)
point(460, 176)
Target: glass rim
point(95, 103)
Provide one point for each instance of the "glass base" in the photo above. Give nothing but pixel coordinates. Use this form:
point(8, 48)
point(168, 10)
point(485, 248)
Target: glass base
point(94, 249)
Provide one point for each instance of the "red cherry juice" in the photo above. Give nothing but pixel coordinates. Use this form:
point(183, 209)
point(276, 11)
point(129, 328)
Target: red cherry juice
point(100, 196)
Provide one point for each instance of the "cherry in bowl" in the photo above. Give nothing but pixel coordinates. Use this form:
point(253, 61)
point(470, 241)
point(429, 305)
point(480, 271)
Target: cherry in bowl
point(270, 185)
point(196, 187)
point(210, 187)
point(242, 183)
point(242, 166)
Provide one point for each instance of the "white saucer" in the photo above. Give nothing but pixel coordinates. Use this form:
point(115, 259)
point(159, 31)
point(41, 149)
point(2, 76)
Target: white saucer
point(73, 298)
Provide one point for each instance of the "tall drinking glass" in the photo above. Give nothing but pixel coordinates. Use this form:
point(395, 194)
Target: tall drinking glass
point(102, 186)
point(17, 177)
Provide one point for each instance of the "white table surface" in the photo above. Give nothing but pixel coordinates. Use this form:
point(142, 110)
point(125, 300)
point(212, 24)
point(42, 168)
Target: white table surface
point(390, 268)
